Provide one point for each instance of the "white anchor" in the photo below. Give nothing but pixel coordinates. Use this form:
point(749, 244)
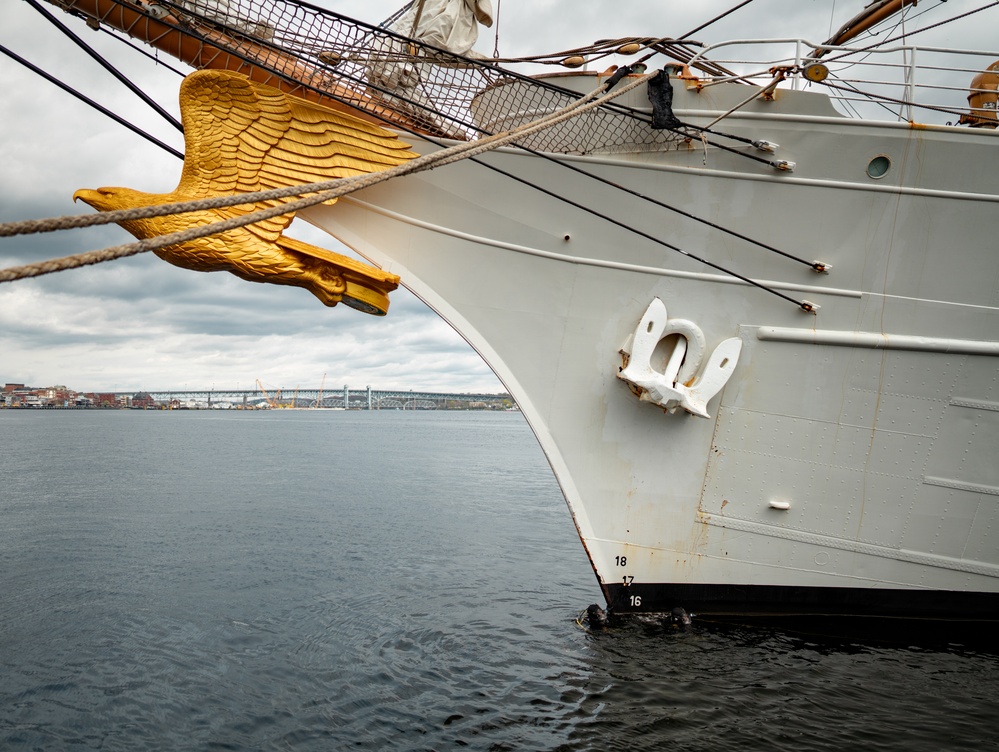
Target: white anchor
point(676, 386)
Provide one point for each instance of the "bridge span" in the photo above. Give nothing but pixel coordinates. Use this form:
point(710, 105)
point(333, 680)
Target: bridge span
point(341, 398)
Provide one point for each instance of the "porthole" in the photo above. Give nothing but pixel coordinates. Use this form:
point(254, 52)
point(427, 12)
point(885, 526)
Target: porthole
point(878, 167)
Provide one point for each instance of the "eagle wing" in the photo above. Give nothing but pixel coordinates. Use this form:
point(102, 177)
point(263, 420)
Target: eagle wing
point(243, 136)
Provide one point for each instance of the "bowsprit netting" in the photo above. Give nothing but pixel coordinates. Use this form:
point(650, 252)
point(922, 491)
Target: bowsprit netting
point(397, 79)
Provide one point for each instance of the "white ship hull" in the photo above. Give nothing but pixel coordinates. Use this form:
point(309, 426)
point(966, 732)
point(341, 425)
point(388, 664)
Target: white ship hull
point(842, 463)
point(849, 464)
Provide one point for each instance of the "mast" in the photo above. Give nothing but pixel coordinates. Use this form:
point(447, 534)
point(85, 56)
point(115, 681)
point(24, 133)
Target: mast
point(873, 14)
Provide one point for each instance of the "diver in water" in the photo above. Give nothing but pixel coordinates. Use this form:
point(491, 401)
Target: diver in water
point(678, 617)
point(597, 619)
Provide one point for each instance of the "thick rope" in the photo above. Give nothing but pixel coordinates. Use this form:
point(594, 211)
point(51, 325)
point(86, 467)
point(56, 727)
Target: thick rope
point(320, 192)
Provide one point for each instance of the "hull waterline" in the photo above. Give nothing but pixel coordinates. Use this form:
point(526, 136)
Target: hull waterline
point(846, 466)
point(797, 465)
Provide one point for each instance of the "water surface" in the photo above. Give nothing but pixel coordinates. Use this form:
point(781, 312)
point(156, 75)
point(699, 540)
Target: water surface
point(383, 580)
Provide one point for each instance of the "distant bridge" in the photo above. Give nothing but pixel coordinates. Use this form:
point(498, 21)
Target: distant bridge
point(343, 398)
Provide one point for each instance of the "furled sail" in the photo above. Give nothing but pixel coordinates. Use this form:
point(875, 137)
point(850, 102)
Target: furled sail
point(451, 25)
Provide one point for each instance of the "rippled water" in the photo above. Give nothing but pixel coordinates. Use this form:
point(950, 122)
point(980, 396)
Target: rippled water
point(386, 580)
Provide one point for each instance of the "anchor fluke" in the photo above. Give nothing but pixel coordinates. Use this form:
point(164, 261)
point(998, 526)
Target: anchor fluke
point(681, 383)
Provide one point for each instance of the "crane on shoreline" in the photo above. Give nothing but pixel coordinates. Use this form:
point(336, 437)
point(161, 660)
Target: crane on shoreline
point(271, 402)
point(319, 399)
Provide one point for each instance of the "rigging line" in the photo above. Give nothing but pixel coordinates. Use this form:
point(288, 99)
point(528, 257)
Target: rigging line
point(717, 68)
point(100, 108)
point(723, 147)
point(763, 92)
point(349, 185)
point(871, 32)
point(804, 305)
point(630, 112)
point(879, 28)
point(482, 65)
point(814, 265)
point(817, 266)
point(325, 190)
point(870, 97)
point(396, 16)
point(308, 194)
point(623, 109)
point(106, 65)
point(716, 18)
point(497, 19)
point(885, 97)
point(612, 106)
point(911, 33)
point(148, 244)
point(137, 48)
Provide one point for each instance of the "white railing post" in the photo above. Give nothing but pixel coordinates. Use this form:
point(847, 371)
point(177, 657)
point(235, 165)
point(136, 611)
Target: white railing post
point(797, 66)
point(910, 89)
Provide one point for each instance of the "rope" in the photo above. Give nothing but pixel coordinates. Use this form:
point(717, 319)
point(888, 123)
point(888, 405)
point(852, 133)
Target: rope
point(876, 99)
point(321, 192)
point(136, 48)
point(496, 42)
point(122, 79)
point(88, 220)
point(87, 100)
point(326, 191)
point(713, 20)
point(817, 266)
point(911, 33)
point(437, 159)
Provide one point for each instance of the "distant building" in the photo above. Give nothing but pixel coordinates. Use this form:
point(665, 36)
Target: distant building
point(143, 401)
point(56, 396)
point(18, 395)
point(103, 399)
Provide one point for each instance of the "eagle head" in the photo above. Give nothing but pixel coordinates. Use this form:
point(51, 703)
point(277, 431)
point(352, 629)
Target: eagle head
point(110, 199)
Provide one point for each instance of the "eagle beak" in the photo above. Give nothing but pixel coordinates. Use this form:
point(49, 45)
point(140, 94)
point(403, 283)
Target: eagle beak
point(84, 195)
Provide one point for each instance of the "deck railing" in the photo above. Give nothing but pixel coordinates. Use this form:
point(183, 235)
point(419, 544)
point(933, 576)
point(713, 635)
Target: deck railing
point(906, 82)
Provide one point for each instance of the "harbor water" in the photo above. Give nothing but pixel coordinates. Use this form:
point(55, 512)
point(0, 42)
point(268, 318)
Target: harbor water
point(385, 580)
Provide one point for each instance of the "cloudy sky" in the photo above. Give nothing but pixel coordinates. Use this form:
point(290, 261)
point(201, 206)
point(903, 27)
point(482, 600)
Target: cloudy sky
point(140, 323)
